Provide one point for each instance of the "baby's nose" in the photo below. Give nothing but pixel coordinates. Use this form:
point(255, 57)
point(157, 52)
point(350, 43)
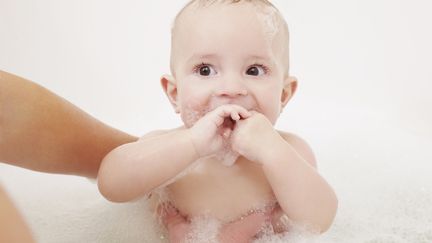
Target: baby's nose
point(231, 89)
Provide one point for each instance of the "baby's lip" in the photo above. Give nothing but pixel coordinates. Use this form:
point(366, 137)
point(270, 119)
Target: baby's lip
point(219, 102)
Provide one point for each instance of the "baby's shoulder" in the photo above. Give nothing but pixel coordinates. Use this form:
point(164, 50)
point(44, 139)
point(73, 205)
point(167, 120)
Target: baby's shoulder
point(301, 147)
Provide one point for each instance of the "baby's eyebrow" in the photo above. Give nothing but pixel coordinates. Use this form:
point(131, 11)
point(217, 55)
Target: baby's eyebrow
point(264, 58)
point(213, 57)
point(202, 56)
point(258, 57)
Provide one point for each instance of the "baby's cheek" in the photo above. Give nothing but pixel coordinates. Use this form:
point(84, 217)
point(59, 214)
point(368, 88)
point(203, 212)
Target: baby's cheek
point(272, 111)
point(192, 110)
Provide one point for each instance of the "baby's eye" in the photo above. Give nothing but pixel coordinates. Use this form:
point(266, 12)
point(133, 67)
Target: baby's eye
point(204, 70)
point(256, 70)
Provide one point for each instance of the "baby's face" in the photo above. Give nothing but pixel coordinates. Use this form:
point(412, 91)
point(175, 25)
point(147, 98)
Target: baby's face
point(229, 54)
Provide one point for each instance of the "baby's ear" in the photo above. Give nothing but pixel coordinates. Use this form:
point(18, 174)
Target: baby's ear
point(290, 87)
point(169, 86)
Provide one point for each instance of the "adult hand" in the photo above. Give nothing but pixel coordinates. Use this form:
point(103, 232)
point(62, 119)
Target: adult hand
point(239, 231)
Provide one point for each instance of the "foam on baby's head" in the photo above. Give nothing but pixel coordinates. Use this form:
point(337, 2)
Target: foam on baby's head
point(261, 6)
point(269, 16)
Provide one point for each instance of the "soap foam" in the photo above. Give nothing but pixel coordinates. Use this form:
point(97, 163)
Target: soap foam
point(268, 17)
point(227, 155)
point(206, 229)
point(203, 229)
point(295, 233)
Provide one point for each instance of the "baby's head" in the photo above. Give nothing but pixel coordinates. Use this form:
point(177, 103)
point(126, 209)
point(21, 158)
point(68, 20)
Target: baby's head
point(229, 52)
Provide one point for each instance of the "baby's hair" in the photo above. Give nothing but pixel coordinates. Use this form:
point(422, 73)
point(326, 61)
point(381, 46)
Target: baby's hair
point(265, 5)
point(208, 2)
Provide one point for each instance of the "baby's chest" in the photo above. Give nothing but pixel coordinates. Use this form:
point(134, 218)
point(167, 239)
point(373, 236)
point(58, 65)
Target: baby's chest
point(222, 192)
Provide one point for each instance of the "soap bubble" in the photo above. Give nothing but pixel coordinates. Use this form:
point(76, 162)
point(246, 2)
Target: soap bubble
point(226, 155)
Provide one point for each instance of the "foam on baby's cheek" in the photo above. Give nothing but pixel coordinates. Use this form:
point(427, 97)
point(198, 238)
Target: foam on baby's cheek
point(191, 115)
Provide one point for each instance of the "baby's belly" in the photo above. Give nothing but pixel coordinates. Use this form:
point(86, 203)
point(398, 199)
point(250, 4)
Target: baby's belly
point(225, 193)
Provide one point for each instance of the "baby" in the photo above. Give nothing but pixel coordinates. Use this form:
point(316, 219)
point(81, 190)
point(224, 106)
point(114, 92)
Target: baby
point(229, 83)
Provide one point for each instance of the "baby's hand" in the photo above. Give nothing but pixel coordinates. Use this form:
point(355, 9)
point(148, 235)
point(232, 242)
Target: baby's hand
point(207, 133)
point(254, 136)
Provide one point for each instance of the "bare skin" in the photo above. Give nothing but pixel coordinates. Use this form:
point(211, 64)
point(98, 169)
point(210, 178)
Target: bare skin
point(12, 225)
point(41, 131)
point(235, 92)
point(238, 231)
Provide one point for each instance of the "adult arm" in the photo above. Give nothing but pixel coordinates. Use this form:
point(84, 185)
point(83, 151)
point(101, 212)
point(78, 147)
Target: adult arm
point(42, 131)
point(12, 225)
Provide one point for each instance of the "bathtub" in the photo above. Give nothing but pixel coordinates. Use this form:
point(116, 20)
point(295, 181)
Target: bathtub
point(363, 104)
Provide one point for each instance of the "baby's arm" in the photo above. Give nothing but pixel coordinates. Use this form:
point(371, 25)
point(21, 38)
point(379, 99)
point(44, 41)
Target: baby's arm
point(135, 169)
point(303, 194)
point(289, 166)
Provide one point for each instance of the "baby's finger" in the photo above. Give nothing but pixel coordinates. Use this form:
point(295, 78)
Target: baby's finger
point(224, 111)
point(245, 114)
point(236, 112)
point(235, 115)
point(219, 114)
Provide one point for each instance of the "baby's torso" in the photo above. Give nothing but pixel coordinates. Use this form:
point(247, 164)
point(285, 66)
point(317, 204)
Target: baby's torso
point(226, 193)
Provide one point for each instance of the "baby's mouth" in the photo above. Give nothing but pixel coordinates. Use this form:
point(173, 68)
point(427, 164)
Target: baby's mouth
point(228, 123)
